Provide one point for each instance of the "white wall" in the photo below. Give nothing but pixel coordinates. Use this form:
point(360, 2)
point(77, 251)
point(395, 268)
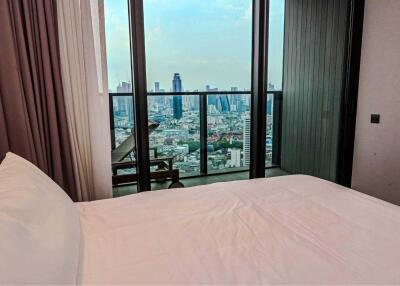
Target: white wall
point(376, 168)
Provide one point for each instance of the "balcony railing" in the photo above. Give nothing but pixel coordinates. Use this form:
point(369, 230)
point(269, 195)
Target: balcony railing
point(206, 132)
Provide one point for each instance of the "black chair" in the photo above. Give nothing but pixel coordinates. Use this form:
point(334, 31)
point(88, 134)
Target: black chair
point(123, 157)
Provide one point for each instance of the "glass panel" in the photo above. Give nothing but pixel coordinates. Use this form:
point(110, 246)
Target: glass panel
point(275, 68)
point(190, 46)
point(228, 141)
point(199, 45)
point(275, 50)
point(208, 42)
point(175, 135)
point(123, 117)
point(118, 45)
point(119, 81)
point(268, 141)
point(123, 127)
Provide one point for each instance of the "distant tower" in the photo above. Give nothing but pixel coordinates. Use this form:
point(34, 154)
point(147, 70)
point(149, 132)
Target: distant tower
point(246, 142)
point(212, 99)
point(271, 87)
point(235, 157)
point(177, 99)
point(234, 98)
point(125, 103)
point(269, 105)
point(159, 99)
point(124, 87)
point(223, 104)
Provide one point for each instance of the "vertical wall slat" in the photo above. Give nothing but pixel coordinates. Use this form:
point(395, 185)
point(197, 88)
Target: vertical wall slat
point(315, 33)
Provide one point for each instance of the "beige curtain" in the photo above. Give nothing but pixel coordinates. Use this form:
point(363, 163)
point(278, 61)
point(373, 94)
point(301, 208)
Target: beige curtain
point(84, 76)
point(33, 122)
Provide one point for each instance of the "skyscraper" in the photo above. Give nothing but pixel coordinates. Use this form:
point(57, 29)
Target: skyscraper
point(124, 87)
point(235, 158)
point(159, 99)
point(269, 105)
point(271, 87)
point(208, 88)
point(125, 103)
point(246, 142)
point(223, 104)
point(234, 98)
point(212, 99)
point(177, 99)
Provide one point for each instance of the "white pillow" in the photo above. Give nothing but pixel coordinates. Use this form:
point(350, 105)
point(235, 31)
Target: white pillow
point(40, 232)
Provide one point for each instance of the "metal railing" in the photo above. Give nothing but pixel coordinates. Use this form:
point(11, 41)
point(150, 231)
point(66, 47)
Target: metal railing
point(203, 114)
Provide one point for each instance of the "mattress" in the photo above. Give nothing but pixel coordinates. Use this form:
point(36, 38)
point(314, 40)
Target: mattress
point(286, 230)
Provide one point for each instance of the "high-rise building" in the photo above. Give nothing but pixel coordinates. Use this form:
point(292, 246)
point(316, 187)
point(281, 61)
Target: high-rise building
point(212, 99)
point(124, 87)
point(271, 87)
point(125, 103)
point(246, 141)
point(208, 88)
point(177, 99)
point(234, 98)
point(223, 104)
point(235, 158)
point(159, 99)
point(269, 105)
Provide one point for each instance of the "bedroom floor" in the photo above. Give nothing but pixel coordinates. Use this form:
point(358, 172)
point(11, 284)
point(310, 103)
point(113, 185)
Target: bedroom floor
point(191, 182)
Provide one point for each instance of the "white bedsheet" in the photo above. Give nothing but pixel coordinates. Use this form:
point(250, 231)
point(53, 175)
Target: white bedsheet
point(286, 230)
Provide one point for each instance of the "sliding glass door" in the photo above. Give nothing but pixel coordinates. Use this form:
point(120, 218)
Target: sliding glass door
point(199, 49)
point(275, 82)
point(191, 62)
point(122, 119)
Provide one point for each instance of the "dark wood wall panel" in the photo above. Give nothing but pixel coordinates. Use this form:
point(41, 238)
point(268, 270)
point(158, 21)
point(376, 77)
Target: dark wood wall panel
point(315, 34)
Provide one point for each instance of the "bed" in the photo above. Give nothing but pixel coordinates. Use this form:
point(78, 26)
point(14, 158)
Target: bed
point(286, 230)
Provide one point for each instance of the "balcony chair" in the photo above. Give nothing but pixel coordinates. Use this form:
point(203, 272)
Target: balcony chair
point(123, 158)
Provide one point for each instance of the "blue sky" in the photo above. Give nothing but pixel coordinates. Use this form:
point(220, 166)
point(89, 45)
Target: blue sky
point(206, 41)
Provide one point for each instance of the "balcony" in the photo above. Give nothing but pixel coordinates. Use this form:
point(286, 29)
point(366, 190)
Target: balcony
point(206, 133)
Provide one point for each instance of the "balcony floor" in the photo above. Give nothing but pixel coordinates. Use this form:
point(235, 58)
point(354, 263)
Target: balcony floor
point(190, 182)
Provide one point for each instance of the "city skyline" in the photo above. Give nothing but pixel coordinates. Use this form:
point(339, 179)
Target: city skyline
point(178, 133)
point(121, 87)
point(194, 45)
point(204, 40)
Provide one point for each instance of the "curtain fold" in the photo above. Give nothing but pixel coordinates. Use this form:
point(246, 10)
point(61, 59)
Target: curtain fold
point(84, 76)
point(33, 122)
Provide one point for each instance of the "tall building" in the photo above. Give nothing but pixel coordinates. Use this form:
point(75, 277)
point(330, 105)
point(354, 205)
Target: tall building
point(235, 158)
point(271, 87)
point(124, 87)
point(269, 105)
point(159, 99)
point(177, 99)
point(212, 99)
point(234, 98)
point(208, 88)
point(223, 104)
point(246, 141)
point(125, 103)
